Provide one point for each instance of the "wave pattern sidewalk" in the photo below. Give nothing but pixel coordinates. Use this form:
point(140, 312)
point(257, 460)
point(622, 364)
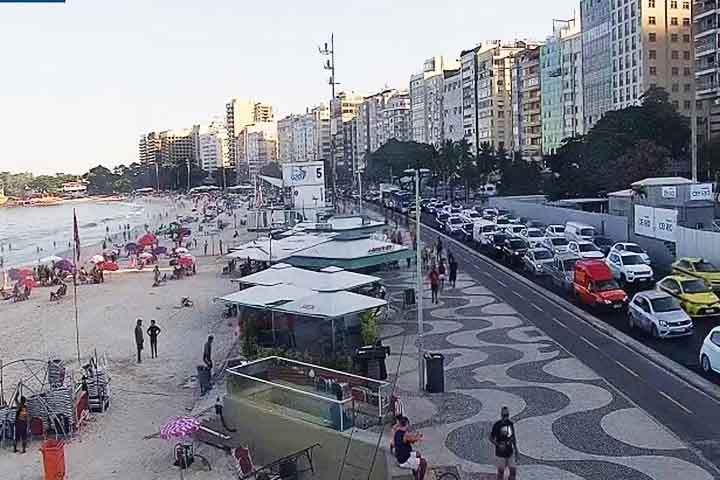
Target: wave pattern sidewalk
point(571, 423)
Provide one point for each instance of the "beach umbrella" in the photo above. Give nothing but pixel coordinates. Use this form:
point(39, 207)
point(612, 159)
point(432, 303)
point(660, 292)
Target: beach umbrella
point(160, 251)
point(97, 259)
point(146, 255)
point(65, 265)
point(110, 267)
point(28, 282)
point(131, 247)
point(147, 240)
point(50, 259)
point(186, 261)
point(182, 250)
point(179, 428)
point(18, 274)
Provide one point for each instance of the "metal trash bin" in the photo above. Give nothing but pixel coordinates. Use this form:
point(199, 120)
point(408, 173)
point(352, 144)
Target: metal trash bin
point(409, 297)
point(203, 376)
point(435, 372)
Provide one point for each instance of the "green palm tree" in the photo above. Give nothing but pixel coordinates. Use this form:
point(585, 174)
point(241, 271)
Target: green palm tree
point(448, 164)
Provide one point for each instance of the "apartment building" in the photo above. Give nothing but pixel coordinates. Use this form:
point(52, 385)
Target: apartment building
point(256, 146)
point(344, 109)
point(238, 114)
point(495, 65)
point(381, 117)
point(453, 105)
point(170, 147)
point(527, 104)
point(305, 137)
point(213, 147)
point(706, 14)
point(561, 85)
point(396, 118)
point(596, 59)
point(426, 100)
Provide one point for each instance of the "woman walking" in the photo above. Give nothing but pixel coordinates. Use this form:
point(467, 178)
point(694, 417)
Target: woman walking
point(434, 284)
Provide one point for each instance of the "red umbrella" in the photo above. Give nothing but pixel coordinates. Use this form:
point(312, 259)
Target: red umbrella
point(110, 267)
point(186, 261)
point(147, 240)
point(28, 282)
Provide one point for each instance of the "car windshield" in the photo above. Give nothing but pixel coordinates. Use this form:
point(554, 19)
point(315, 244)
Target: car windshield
point(474, 215)
point(558, 229)
point(632, 260)
point(559, 242)
point(587, 247)
point(502, 221)
point(602, 241)
point(633, 249)
point(705, 267)
point(488, 228)
point(468, 227)
point(534, 234)
point(499, 238)
point(569, 264)
point(444, 216)
point(694, 286)
point(587, 232)
point(516, 243)
point(606, 285)
point(665, 304)
point(542, 254)
point(455, 220)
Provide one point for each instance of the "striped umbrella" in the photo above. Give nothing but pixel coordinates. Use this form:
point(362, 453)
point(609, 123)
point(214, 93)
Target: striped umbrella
point(179, 427)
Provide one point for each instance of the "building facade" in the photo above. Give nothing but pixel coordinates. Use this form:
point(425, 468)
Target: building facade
point(343, 127)
point(256, 146)
point(305, 137)
point(453, 105)
point(381, 117)
point(706, 16)
point(596, 59)
point(170, 147)
point(426, 100)
point(240, 113)
point(213, 147)
point(526, 104)
point(561, 85)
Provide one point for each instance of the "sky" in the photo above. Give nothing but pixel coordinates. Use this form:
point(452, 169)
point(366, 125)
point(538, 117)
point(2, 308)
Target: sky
point(81, 81)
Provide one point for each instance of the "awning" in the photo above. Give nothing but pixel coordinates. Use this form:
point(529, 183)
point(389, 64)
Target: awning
point(330, 305)
point(275, 182)
point(265, 296)
point(325, 281)
point(281, 248)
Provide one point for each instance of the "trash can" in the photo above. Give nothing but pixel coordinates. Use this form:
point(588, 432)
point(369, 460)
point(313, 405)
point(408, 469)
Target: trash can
point(435, 372)
point(409, 297)
point(53, 454)
point(203, 379)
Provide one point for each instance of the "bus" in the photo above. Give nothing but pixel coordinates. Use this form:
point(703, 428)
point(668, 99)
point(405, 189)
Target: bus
point(401, 200)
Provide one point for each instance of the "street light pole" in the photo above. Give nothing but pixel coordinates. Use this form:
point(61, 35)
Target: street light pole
point(329, 51)
point(419, 283)
point(187, 161)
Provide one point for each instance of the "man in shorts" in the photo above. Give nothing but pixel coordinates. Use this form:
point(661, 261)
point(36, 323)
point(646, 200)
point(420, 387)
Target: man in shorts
point(505, 441)
point(404, 454)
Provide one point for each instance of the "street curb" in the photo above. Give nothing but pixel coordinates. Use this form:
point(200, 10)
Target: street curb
point(691, 378)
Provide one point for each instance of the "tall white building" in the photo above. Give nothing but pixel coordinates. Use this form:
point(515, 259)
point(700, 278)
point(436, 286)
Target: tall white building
point(381, 117)
point(426, 100)
point(238, 114)
point(453, 106)
point(213, 152)
point(256, 146)
point(305, 137)
point(706, 19)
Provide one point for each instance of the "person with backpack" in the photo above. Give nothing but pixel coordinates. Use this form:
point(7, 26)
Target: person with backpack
point(503, 436)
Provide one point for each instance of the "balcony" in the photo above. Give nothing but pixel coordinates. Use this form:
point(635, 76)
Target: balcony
point(706, 66)
point(704, 8)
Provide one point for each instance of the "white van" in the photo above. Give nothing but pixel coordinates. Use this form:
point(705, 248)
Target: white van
point(579, 231)
point(483, 231)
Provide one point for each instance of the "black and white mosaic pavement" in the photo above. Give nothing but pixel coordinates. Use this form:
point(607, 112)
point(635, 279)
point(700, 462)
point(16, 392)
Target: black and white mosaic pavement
point(571, 424)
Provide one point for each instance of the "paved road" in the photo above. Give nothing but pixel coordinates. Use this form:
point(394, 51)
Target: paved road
point(687, 411)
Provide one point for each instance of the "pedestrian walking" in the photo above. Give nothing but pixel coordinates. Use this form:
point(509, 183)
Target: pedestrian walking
point(453, 265)
point(207, 353)
point(505, 441)
point(405, 456)
point(139, 339)
point(434, 284)
point(206, 245)
point(441, 273)
point(21, 424)
point(220, 241)
point(195, 242)
point(153, 331)
point(439, 249)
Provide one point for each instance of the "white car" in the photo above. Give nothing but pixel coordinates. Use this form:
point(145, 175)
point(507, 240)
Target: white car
point(710, 352)
point(556, 244)
point(454, 225)
point(471, 216)
point(483, 231)
point(535, 260)
point(659, 314)
point(585, 249)
point(555, 231)
point(628, 267)
point(533, 236)
point(513, 229)
point(632, 248)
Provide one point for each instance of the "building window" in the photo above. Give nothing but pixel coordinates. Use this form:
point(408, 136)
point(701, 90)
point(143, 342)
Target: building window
point(686, 55)
point(675, 87)
point(686, 22)
point(652, 54)
point(675, 104)
point(686, 71)
point(686, 104)
point(653, 70)
point(652, 21)
point(673, 3)
point(674, 37)
point(686, 38)
point(651, 3)
point(652, 36)
point(686, 5)
point(673, 21)
point(675, 71)
point(675, 55)
point(687, 87)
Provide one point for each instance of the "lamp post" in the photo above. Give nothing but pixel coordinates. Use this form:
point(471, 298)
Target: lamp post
point(329, 51)
point(418, 274)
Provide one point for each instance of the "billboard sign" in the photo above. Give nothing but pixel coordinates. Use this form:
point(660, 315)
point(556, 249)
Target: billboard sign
point(701, 191)
point(669, 192)
point(660, 223)
point(303, 174)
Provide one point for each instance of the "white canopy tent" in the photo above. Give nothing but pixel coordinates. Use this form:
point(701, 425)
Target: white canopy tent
point(259, 250)
point(331, 279)
point(263, 296)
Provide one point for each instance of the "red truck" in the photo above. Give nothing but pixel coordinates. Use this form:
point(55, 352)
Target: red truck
point(595, 286)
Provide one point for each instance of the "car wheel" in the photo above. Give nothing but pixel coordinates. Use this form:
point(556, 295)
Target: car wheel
point(654, 332)
point(705, 364)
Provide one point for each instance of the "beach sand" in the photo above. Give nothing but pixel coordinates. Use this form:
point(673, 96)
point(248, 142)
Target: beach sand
point(112, 444)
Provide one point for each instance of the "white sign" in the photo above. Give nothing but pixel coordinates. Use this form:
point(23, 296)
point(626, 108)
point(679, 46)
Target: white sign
point(701, 191)
point(303, 174)
point(669, 192)
point(660, 223)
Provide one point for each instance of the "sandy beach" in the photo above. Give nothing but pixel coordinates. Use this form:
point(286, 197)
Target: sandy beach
point(112, 444)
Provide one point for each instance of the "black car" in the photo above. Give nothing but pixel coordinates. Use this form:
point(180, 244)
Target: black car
point(498, 241)
point(514, 249)
point(467, 232)
point(604, 244)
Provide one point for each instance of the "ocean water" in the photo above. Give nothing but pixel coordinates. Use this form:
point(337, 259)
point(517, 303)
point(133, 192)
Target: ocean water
point(24, 230)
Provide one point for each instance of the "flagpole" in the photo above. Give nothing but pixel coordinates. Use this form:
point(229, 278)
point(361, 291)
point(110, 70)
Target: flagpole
point(76, 257)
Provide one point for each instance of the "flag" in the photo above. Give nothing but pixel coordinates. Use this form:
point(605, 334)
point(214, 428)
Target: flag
point(258, 195)
point(76, 237)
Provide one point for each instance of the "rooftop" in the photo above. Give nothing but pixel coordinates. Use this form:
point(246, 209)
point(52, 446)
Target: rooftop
point(662, 181)
point(329, 280)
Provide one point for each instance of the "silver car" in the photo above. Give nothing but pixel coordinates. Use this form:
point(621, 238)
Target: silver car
point(536, 259)
point(659, 314)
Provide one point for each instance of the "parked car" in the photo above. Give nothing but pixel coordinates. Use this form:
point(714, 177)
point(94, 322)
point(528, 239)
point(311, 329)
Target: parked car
point(454, 225)
point(659, 314)
point(629, 268)
point(555, 231)
point(497, 243)
point(466, 234)
point(579, 231)
point(562, 270)
point(483, 231)
point(441, 217)
point(694, 295)
point(535, 260)
point(514, 249)
point(432, 207)
point(513, 229)
point(632, 248)
point(493, 212)
point(585, 249)
point(710, 352)
point(471, 216)
point(595, 286)
point(603, 243)
point(700, 268)
point(533, 236)
point(535, 224)
point(556, 244)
